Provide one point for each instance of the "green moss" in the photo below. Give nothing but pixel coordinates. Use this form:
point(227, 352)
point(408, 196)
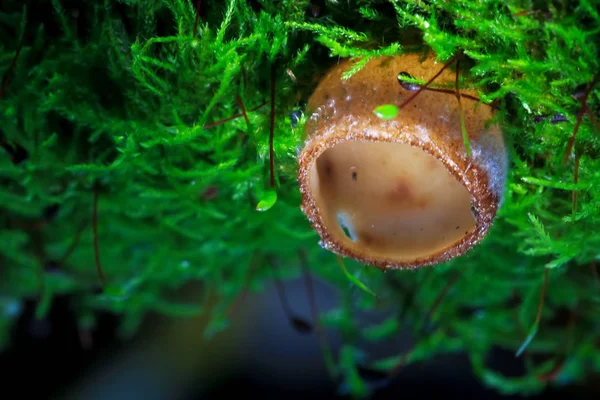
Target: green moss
point(119, 98)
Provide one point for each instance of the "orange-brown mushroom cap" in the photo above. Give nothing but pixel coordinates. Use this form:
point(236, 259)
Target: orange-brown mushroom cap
point(400, 192)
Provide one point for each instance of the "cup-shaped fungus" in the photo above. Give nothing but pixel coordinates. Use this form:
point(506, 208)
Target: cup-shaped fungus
point(399, 191)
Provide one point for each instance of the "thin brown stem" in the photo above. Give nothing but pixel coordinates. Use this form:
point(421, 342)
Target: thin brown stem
point(198, 5)
point(412, 97)
point(593, 119)
point(439, 298)
point(74, 243)
point(299, 324)
point(463, 95)
point(222, 121)
point(241, 104)
point(582, 110)
point(413, 87)
point(287, 309)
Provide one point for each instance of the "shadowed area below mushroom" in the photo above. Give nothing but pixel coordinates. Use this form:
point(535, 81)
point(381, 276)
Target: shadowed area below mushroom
point(390, 199)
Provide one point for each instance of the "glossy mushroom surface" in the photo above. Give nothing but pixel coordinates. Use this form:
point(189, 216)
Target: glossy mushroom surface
point(398, 192)
point(390, 198)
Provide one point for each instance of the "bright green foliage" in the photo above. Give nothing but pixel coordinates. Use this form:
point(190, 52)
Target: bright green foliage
point(386, 111)
point(267, 201)
point(115, 98)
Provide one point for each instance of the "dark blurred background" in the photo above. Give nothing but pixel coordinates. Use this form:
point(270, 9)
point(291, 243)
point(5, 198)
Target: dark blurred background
point(260, 355)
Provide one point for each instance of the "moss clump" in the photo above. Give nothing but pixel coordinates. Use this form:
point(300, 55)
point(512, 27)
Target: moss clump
point(116, 101)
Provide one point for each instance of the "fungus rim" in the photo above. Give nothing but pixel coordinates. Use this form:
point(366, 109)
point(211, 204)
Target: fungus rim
point(484, 202)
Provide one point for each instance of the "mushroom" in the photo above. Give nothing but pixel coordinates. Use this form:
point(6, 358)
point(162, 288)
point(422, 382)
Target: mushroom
point(399, 191)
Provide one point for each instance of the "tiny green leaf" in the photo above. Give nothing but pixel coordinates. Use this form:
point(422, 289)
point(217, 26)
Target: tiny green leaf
point(353, 279)
point(386, 111)
point(267, 201)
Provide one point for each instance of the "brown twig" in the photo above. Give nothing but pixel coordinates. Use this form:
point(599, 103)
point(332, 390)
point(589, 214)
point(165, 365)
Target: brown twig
point(287, 309)
point(74, 244)
point(439, 298)
point(582, 110)
point(197, 17)
point(222, 121)
point(414, 87)
point(412, 97)
point(241, 104)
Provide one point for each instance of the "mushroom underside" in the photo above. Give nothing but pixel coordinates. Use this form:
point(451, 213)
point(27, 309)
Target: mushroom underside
point(389, 200)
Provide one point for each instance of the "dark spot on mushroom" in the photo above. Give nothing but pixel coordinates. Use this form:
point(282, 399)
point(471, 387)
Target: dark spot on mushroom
point(401, 192)
point(432, 163)
point(466, 232)
point(328, 168)
point(458, 227)
point(402, 195)
point(354, 176)
point(366, 238)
